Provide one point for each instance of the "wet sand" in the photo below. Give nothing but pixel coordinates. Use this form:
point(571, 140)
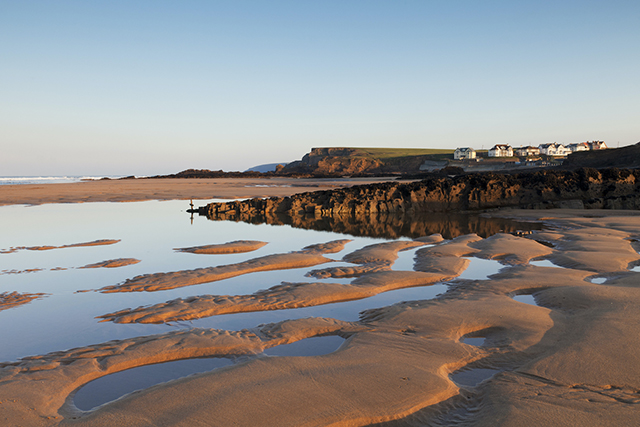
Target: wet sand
point(132, 190)
point(571, 359)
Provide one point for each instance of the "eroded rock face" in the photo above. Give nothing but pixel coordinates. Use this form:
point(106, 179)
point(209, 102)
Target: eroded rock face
point(585, 188)
point(328, 161)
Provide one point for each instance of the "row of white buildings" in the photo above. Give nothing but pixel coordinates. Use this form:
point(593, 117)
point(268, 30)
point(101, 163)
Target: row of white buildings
point(550, 149)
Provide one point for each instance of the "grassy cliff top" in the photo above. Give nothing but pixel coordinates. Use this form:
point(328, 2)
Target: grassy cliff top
point(386, 153)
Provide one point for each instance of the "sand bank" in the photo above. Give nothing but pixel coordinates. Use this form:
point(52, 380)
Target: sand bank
point(237, 247)
point(307, 257)
point(131, 190)
point(14, 299)
point(100, 242)
point(113, 263)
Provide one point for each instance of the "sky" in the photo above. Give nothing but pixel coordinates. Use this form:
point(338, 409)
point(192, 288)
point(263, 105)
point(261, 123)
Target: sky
point(157, 87)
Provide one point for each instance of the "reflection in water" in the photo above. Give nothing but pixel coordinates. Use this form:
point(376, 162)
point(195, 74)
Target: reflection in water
point(391, 226)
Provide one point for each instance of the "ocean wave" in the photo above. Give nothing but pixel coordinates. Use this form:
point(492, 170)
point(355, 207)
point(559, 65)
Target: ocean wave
point(16, 180)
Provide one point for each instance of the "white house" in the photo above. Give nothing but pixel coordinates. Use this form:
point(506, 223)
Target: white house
point(501, 150)
point(578, 146)
point(554, 149)
point(597, 145)
point(528, 151)
point(462, 153)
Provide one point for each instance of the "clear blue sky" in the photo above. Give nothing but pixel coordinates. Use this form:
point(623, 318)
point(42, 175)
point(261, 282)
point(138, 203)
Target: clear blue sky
point(154, 87)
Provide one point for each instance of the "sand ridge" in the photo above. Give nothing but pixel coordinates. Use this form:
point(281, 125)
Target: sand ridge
point(15, 299)
point(163, 281)
point(235, 247)
point(375, 260)
point(280, 297)
point(113, 263)
point(572, 357)
point(100, 242)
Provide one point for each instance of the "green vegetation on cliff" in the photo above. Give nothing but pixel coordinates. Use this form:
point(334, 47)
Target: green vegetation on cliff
point(329, 161)
point(386, 153)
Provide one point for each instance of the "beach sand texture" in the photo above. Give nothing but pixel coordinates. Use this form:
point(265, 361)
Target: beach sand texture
point(572, 359)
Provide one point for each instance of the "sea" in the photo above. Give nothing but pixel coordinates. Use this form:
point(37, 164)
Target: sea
point(13, 180)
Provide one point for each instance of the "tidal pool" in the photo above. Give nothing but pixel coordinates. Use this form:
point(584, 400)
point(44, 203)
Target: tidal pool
point(526, 299)
point(149, 231)
point(481, 269)
point(111, 387)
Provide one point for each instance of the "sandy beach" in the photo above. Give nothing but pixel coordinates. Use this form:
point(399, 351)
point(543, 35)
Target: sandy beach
point(131, 190)
point(568, 357)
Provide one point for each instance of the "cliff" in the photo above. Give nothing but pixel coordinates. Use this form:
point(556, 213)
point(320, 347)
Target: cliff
point(363, 161)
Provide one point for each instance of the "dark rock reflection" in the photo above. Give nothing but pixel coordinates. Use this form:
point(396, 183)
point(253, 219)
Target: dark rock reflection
point(391, 226)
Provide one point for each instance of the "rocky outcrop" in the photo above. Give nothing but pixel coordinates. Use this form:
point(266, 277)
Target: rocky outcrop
point(376, 206)
point(585, 188)
point(333, 161)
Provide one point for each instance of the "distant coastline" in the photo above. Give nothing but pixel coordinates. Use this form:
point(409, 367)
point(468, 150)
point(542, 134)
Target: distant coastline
point(18, 180)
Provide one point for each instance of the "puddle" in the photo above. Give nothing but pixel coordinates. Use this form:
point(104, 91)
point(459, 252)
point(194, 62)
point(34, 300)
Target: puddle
point(526, 299)
point(598, 280)
point(543, 263)
point(475, 341)
point(316, 346)
point(636, 268)
point(111, 387)
point(481, 269)
point(472, 377)
point(405, 261)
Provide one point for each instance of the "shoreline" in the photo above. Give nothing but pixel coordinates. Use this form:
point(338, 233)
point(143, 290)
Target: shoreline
point(135, 190)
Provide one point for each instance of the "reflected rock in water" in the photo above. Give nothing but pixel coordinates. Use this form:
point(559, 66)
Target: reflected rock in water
point(391, 226)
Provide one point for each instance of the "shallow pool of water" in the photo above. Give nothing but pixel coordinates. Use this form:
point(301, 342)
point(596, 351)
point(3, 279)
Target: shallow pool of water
point(472, 377)
point(111, 387)
point(475, 341)
point(406, 260)
point(149, 232)
point(544, 263)
point(525, 299)
point(481, 269)
point(315, 346)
